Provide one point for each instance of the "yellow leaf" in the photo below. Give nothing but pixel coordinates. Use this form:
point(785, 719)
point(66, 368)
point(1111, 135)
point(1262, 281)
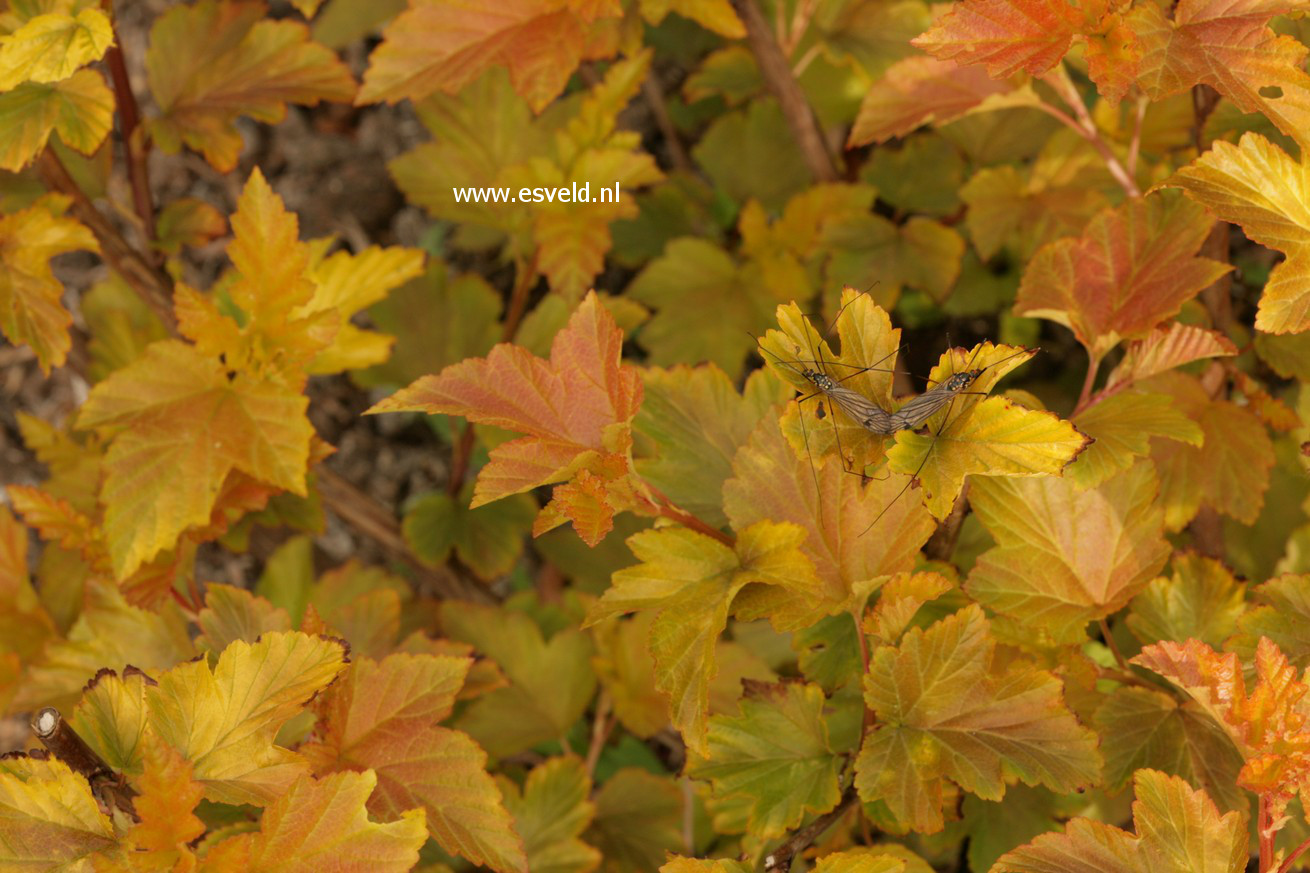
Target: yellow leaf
point(48, 815)
point(80, 109)
point(322, 824)
point(992, 436)
point(347, 283)
point(168, 796)
point(1256, 185)
point(210, 63)
point(51, 47)
point(31, 307)
point(1122, 426)
point(224, 720)
point(180, 425)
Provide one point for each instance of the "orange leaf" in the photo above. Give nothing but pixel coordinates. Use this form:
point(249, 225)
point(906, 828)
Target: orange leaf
point(582, 502)
point(1134, 267)
point(211, 62)
point(383, 717)
point(180, 425)
point(167, 799)
point(1007, 36)
point(917, 91)
point(573, 408)
point(442, 45)
point(1167, 347)
point(31, 307)
point(1228, 46)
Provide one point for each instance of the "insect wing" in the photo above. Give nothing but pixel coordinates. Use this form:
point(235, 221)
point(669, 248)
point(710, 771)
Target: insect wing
point(919, 409)
point(865, 412)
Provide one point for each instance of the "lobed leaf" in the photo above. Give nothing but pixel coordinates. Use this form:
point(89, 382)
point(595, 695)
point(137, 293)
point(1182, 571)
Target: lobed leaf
point(31, 304)
point(48, 814)
point(1065, 557)
point(1007, 36)
point(1256, 185)
point(1282, 614)
point(1178, 831)
point(550, 813)
point(53, 46)
point(638, 819)
point(1202, 600)
point(1165, 348)
point(210, 63)
point(1132, 268)
point(777, 753)
point(1121, 427)
point(943, 714)
point(224, 720)
point(383, 719)
point(323, 824)
point(439, 45)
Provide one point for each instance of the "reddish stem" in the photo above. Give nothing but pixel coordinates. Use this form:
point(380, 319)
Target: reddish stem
point(1093, 364)
point(1265, 838)
point(864, 670)
point(135, 149)
point(1286, 866)
point(1085, 127)
point(600, 730)
point(1113, 646)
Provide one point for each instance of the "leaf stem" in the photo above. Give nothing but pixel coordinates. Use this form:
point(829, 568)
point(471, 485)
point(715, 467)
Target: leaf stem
point(1089, 381)
point(1135, 145)
point(777, 75)
point(601, 727)
point(1286, 866)
point(1085, 127)
point(659, 110)
point(1113, 646)
point(135, 148)
point(1265, 838)
point(780, 858)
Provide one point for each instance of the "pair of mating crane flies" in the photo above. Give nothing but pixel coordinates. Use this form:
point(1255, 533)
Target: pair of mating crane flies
point(913, 414)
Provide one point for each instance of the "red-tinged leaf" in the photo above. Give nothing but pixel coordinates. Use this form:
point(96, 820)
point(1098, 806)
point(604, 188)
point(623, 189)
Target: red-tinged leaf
point(1229, 47)
point(919, 90)
point(383, 718)
point(1178, 831)
point(1165, 348)
point(1256, 185)
point(1267, 724)
point(51, 47)
point(945, 713)
point(168, 796)
point(573, 407)
point(1134, 267)
point(692, 580)
point(31, 306)
point(583, 502)
point(56, 520)
point(180, 424)
point(1228, 472)
point(1275, 414)
point(1113, 57)
point(1007, 36)
point(322, 824)
point(772, 483)
point(442, 45)
point(51, 819)
point(210, 63)
point(1066, 557)
point(187, 222)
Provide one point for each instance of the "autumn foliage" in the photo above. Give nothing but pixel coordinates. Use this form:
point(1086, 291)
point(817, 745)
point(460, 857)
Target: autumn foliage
point(906, 472)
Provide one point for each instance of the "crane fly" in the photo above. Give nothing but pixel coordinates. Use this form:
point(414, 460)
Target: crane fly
point(917, 411)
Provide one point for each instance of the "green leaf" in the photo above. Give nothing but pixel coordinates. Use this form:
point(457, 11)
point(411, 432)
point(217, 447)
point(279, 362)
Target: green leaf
point(751, 154)
point(923, 176)
point(692, 579)
point(550, 813)
point(111, 717)
point(1282, 614)
point(1122, 426)
point(943, 712)
point(551, 683)
point(638, 820)
point(1178, 831)
point(1142, 727)
point(1066, 557)
point(487, 538)
point(698, 421)
point(777, 753)
point(79, 109)
point(1203, 600)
